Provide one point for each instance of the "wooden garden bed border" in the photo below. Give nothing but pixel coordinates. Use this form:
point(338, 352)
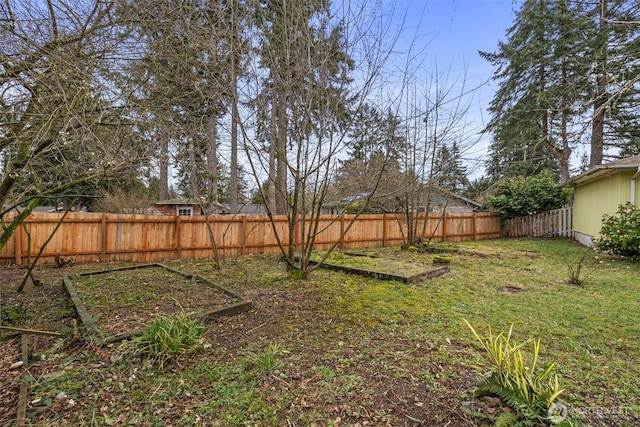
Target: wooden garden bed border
point(238, 307)
point(429, 274)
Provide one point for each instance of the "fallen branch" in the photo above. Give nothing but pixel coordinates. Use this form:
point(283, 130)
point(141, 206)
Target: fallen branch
point(30, 331)
point(257, 327)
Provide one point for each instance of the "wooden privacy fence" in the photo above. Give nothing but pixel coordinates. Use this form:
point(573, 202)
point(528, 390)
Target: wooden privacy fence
point(557, 222)
point(144, 238)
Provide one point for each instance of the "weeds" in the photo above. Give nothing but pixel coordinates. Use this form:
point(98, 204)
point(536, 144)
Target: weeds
point(13, 314)
point(368, 352)
point(576, 269)
point(263, 362)
point(237, 395)
point(170, 337)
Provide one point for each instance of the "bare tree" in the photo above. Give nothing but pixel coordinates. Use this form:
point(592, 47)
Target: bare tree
point(438, 117)
point(63, 125)
point(317, 64)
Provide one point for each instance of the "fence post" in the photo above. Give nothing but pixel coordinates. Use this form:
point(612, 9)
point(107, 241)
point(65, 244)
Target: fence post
point(342, 245)
point(474, 226)
point(242, 237)
point(444, 225)
point(103, 243)
point(17, 236)
point(178, 244)
point(384, 229)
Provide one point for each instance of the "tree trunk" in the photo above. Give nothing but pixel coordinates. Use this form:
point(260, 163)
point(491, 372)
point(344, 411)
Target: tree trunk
point(281, 156)
point(565, 153)
point(600, 95)
point(194, 191)
point(233, 178)
point(164, 167)
point(273, 136)
point(212, 164)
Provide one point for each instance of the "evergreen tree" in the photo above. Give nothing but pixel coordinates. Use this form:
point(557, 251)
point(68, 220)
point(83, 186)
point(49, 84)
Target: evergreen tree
point(479, 190)
point(540, 82)
point(549, 97)
point(371, 132)
point(449, 171)
point(182, 80)
point(303, 105)
point(614, 58)
point(304, 96)
point(375, 144)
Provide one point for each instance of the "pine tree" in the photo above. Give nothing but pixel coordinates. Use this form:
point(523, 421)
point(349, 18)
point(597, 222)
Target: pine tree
point(549, 96)
point(372, 132)
point(540, 83)
point(303, 104)
point(614, 56)
point(449, 171)
point(183, 83)
point(375, 144)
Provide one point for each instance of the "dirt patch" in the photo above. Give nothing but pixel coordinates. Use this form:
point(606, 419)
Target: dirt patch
point(10, 353)
point(137, 296)
point(510, 290)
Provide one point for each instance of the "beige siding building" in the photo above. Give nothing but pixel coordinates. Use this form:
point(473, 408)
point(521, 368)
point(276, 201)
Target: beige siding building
point(599, 192)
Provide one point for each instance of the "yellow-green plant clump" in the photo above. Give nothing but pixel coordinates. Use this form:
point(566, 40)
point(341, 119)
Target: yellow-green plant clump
point(528, 390)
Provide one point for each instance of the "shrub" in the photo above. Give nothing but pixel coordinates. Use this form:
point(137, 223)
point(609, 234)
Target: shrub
point(528, 390)
point(620, 234)
point(170, 337)
point(524, 196)
point(577, 268)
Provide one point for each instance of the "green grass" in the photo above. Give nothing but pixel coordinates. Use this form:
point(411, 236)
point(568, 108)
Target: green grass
point(591, 331)
point(372, 261)
point(338, 346)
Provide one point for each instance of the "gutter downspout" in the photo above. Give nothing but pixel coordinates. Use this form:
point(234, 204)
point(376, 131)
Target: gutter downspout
point(632, 197)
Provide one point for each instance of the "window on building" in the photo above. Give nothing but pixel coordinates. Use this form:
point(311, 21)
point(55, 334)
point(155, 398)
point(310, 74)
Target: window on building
point(185, 211)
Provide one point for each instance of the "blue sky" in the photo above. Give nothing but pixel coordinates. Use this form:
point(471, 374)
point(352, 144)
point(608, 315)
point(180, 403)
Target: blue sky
point(452, 32)
point(461, 27)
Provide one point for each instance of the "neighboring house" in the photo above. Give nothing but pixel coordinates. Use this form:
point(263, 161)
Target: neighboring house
point(187, 208)
point(439, 200)
point(444, 200)
point(50, 209)
point(599, 191)
point(252, 209)
point(177, 207)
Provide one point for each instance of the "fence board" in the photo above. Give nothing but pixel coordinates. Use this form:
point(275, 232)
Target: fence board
point(91, 237)
point(556, 222)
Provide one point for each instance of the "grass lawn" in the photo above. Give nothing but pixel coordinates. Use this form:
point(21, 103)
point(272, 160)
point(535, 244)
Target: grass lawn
point(344, 350)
